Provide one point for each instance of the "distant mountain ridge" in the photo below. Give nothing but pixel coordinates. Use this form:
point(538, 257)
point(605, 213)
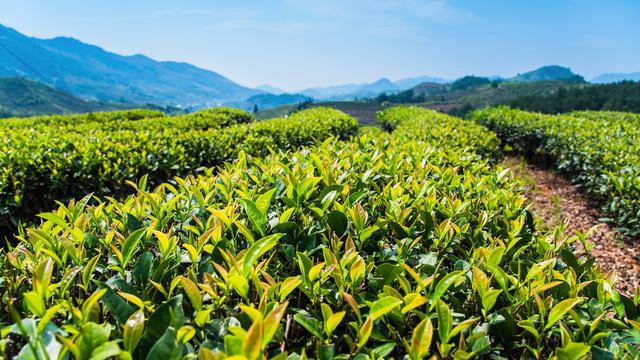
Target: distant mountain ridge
point(92, 73)
point(270, 89)
point(615, 77)
point(352, 91)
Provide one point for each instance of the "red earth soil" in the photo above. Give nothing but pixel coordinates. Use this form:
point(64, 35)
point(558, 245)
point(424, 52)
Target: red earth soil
point(554, 199)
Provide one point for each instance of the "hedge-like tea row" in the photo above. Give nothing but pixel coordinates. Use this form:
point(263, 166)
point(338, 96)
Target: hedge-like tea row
point(386, 246)
point(607, 115)
point(411, 122)
point(62, 162)
point(599, 150)
point(77, 119)
point(138, 120)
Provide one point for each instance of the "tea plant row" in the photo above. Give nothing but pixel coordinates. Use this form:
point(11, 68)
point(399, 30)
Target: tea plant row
point(45, 162)
point(410, 244)
point(600, 151)
point(138, 120)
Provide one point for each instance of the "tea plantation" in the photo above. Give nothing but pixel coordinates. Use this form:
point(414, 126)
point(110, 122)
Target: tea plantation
point(301, 237)
point(600, 151)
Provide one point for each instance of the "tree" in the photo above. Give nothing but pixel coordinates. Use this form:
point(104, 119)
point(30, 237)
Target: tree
point(469, 81)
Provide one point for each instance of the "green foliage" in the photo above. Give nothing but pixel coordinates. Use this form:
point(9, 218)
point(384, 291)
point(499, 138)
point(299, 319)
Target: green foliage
point(403, 97)
point(469, 81)
point(623, 96)
point(58, 158)
point(23, 97)
point(387, 245)
point(600, 151)
point(429, 125)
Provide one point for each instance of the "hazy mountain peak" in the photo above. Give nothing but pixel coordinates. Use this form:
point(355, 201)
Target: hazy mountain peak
point(383, 81)
point(616, 77)
point(270, 89)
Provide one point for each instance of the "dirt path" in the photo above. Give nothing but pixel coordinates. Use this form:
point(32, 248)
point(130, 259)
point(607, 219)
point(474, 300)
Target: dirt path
point(554, 198)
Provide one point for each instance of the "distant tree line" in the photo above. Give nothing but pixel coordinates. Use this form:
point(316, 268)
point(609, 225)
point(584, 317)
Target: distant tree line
point(403, 97)
point(471, 81)
point(622, 96)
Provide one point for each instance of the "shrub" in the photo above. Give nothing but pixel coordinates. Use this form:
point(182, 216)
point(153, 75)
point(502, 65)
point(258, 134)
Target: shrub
point(389, 245)
point(600, 151)
point(59, 162)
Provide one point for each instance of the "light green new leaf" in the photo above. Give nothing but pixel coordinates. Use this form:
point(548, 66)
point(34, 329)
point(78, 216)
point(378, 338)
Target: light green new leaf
point(365, 332)
point(421, 339)
point(192, 292)
point(443, 285)
point(88, 270)
point(288, 285)
point(271, 323)
point(558, 311)
point(445, 321)
point(573, 351)
point(257, 218)
point(333, 322)
point(130, 245)
point(383, 306)
point(264, 200)
point(258, 249)
point(133, 330)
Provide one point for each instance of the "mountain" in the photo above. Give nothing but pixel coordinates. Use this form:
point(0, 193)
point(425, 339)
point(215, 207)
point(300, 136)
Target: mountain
point(351, 91)
point(552, 72)
point(375, 88)
point(268, 101)
point(408, 83)
point(612, 78)
point(331, 91)
point(270, 89)
point(24, 97)
point(90, 72)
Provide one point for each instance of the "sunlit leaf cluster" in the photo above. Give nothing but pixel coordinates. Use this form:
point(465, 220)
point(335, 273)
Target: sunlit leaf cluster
point(389, 245)
point(42, 161)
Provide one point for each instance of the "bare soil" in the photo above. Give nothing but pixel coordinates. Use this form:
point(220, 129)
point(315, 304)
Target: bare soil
point(555, 199)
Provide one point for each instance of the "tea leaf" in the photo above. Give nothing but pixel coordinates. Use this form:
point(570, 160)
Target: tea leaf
point(383, 306)
point(258, 249)
point(558, 311)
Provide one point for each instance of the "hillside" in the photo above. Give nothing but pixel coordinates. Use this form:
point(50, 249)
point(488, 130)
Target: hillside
point(620, 96)
point(23, 97)
point(90, 72)
point(551, 72)
point(493, 93)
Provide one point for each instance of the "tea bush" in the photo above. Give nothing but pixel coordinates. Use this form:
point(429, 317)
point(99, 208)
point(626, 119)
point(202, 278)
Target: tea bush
point(138, 120)
point(389, 245)
point(433, 126)
point(600, 151)
point(78, 119)
point(45, 163)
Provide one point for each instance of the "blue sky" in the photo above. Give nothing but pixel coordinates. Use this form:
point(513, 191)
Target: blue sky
point(295, 44)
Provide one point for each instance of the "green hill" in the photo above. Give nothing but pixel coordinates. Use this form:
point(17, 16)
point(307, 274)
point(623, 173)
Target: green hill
point(23, 97)
point(551, 72)
point(495, 93)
